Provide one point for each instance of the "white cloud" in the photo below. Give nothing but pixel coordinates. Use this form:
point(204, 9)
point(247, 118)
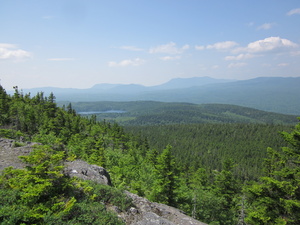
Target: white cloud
point(10, 51)
point(293, 12)
point(267, 45)
point(266, 26)
point(222, 45)
point(169, 48)
point(61, 59)
point(234, 65)
point(240, 57)
point(168, 58)
point(283, 64)
point(131, 48)
point(127, 62)
point(225, 45)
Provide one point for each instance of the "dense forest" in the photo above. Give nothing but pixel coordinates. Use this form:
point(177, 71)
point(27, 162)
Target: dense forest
point(161, 113)
point(212, 192)
point(207, 145)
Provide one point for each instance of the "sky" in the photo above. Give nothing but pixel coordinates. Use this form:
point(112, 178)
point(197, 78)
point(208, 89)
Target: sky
point(80, 43)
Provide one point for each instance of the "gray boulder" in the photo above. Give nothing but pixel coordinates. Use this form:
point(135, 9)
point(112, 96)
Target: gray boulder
point(152, 213)
point(85, 171)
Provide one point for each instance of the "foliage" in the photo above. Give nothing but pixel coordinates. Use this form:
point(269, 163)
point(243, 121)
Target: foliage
point(165, 178)
point(143, 113)
point(208, 145)
point(275, 199)
point(200, 168)
point(42, 194)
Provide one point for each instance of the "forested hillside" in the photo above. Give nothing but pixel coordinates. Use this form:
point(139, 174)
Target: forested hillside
point(42, 194)
point(207, 145)
point(161, 113)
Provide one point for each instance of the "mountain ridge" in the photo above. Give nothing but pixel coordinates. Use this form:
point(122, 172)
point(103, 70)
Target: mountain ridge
point(274, 94)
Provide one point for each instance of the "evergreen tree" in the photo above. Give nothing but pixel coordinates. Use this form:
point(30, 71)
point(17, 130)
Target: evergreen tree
point(4, 106)
point(276, 198)
point(223, 193)
point(165, 183)
point(226, 185)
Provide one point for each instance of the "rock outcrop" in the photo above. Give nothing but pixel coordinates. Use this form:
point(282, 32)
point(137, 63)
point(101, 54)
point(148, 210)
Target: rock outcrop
point(9, 153)
point(85, 171)
point(152, 213)
point(144, 212)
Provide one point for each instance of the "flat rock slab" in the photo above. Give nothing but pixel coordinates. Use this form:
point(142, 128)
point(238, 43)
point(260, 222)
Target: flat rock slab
point(9, 155)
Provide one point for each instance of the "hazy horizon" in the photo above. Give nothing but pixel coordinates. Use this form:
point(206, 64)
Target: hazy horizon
point(77, 44)
point(230, 80)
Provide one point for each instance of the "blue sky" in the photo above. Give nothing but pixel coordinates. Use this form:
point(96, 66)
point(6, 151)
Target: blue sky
point(79, 43)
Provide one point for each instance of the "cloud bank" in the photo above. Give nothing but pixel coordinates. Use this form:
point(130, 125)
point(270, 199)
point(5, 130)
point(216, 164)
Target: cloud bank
point(260, 47)
point(267, 45)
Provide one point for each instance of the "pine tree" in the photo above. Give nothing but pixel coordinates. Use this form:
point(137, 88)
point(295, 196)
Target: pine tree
point(4, 106)
point(276, 198)
point(165, 183)
point(226, 188)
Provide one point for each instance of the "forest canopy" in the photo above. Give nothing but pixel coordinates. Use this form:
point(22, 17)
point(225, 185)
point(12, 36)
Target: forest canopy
point(209, 182)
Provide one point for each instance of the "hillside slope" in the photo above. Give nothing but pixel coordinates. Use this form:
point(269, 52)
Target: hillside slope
point(142, 211)
point(154, 113)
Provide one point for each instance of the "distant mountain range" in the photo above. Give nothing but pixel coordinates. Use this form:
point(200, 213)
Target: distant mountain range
point(275, 94)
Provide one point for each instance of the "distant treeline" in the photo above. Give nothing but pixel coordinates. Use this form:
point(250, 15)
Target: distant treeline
point(161, 113)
